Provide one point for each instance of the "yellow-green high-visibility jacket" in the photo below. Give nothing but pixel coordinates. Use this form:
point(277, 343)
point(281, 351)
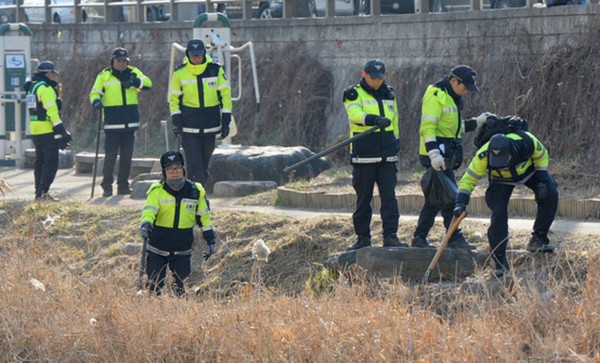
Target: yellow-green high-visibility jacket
point(44, 113)
point(200, 93)
point(440, 121)
point(527, 157)
point(174, 214)
point(363, 108)
point(120, 103)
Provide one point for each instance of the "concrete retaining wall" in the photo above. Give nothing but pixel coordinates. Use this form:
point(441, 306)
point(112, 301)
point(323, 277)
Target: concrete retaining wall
point(343, 44)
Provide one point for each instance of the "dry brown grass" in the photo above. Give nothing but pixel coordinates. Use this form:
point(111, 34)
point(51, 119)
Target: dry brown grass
point(89, 311)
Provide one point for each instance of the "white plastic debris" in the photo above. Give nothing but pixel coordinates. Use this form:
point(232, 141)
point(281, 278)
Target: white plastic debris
point(37, 284)
point(260, 251)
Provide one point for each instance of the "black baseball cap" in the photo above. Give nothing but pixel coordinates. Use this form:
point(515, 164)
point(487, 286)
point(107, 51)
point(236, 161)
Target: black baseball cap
point(375, 68)
point(499, 151)
point(195, 47)
point(120, 54)
point(466, 75)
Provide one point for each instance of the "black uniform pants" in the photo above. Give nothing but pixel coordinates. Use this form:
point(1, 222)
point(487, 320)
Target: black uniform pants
point(497, 197)
point(45, 167)
point(198, 149)
point(364, 178)
point(429, 211)
point(117, 143)
point(156, 270)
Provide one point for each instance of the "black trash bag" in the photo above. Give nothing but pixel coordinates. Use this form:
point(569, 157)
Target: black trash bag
point(439, 189)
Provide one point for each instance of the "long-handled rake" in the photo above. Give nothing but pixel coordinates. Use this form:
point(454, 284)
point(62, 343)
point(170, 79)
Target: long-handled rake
point(453, 226)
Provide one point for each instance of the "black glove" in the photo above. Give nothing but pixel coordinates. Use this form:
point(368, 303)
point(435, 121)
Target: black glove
point(211, 244)
point(541, 194)
point(146, 230)
point(459, 209)
point(225, 121)
point(177, 121)
point(66, 136)
point(97, 104)
point(126, 83)
point(136, 82)
point(383, 122)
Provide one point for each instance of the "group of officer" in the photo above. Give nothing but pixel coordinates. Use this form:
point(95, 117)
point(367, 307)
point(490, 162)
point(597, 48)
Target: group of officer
point(200, 107)
point(506, 159)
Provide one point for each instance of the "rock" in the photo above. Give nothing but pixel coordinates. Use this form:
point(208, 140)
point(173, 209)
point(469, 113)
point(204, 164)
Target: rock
point(408, 263)
point(139, 189)
point(230, 188)
point(245, 163)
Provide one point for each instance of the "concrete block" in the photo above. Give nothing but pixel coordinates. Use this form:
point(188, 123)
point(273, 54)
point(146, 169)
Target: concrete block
point(230, 188)
point(139, 189)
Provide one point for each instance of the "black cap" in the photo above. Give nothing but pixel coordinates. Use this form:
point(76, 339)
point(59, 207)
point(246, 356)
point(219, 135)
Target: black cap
point(46, 67)
point(466, 75)
point(499, 151)
point(170, 158)
point(120, 54)
point(375, 68)
point(195, 47)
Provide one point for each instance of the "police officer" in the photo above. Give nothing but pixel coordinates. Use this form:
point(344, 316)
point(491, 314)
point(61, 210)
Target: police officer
point(116, 91)
point(172, 208)
point(441, 143)
point(47, 129)
point(200, 106)
point(373, 157)
point(508, 160)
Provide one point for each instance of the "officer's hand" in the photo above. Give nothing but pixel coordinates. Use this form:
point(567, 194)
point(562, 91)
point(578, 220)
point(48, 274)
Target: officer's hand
point(541, 194)
point(67, 137)
point(136, 82)
point(178, 131)
point(211, 243)
point(459, 209)
point(209, 250)
point(482, 118)
point(383, 122)
point(224, 131)
point(97, 104)
point(437, 160)
point(177, 121)
point(146, 230)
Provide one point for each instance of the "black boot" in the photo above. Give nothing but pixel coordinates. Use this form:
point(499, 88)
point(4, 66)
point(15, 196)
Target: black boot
point(420, 242)
point(459, 241)
point(502, 266)
point(361, 242)
point(393, 241)
point(539, 243)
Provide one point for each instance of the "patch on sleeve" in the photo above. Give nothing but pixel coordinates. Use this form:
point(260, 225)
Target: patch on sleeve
point(350, 94)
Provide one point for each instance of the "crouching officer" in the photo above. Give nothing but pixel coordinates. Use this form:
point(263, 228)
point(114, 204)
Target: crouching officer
point(172, 208)
point(47, 129)
point(508, 160)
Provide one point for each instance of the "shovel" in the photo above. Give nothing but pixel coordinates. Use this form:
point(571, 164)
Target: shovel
point(453, 226)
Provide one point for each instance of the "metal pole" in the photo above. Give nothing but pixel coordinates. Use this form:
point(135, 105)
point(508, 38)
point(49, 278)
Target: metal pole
point(330, 149)
point(140, 278)
point(97, 149)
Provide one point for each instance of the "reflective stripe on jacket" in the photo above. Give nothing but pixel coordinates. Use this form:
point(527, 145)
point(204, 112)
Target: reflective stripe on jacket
point(45, 115)
point(439, 118)
point(380, 145)
point(120, 110)
point(525, 163)
point(200, 93)
point(174, 217)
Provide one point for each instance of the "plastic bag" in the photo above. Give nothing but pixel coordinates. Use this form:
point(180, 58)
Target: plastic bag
point(439, 189)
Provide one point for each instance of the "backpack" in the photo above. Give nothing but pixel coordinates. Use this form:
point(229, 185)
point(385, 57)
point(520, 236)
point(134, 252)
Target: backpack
point(499, 125)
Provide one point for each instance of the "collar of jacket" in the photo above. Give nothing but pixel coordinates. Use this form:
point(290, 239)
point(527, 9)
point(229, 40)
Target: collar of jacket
point(377, 93)
point(197, 69)
point(444, 84)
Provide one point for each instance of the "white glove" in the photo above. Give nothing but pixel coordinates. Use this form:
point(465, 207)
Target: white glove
point(437, 160)
point(482, 118)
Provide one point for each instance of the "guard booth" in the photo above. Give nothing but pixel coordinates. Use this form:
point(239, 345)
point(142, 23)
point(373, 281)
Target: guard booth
point(15, 49)
point(218, 46)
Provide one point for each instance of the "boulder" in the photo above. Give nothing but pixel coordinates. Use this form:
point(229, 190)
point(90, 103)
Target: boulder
point(407, 263)
point(244, 163)
point(229, 188)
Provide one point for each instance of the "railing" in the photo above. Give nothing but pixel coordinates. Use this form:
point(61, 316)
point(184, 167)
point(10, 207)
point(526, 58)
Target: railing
point(151, 10)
